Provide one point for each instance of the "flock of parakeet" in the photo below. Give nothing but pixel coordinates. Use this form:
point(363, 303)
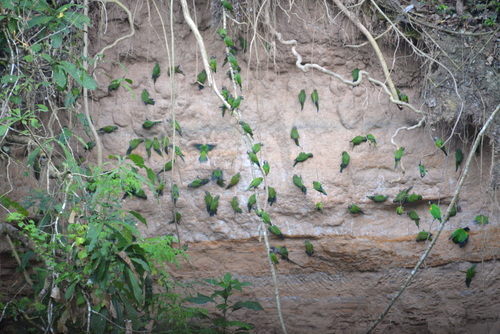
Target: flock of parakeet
point(160, 146)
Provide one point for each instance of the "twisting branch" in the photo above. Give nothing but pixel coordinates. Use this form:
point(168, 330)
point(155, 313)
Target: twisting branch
point(247, 139)
point(441, 225)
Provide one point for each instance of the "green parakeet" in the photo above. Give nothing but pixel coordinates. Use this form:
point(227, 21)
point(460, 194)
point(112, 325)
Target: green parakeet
point(414, 216)
point(315, 99)
point(235, 104)
point(358, 140)
point(402, 96)
point(222, 33)
point(251, 202)
point(253, 158)
point(177, 127)
point(319, 206)
point(213, 206)
point(213, 64)
point(246, 128)
point(318, 187)
point(345, 160)
point(265, 217)
point(133, 144)
point(424, 236)
point(271, 198)
point(108, 129)
point(217, 176)
point(297, 180)
point(235, 205)
point(208, 200)
point(174, 70)
point(302, 157)
point(274, 258)
point(234, 180)
point(355, 74)
point(165, 142)
point(196, 183)
point(459, 157)
point(148, 145)
point(204, 149)
point(413, 198)
point(294, 134)
point(354, 209)
point(243, 44)
point(146, 99)
point(372, 140)
point(440, 144)
point(481, 220)
point(435, 212)
point(255, 183)
point(177, 151)
point(378, 198)
point(149, 124)
point(88, 146)
point(175, 194)
point(156, 72)
point(402, 196)
point(276, 231)
point(266, 167)
point(454, 210)
point(113, 85)
point(422, 169)
point(256, 147)
point(399, 210)
point(469, 275)
point(157, 147)
point(302, 99)
point(398, 155)
point(228, 41)
point(201, 79)
point(460, 236)
point(309, 248)
point(176, 219)
point(283, 251)
point(227, 5)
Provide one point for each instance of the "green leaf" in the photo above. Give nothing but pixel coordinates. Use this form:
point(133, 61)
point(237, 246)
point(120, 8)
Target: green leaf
point(9, 78)
point(29, 58)
point(36, 48)
point(93, 233)
point(255, 306)
point(200, 299)
point(137, 159)
point(39, 20)
point(70, 290)
point(14, 216)
point(133, 285)
point(239, 324)
point(56, 40)
point(139, 217)
point(3, 130)
point(151, 175)
point(59, 77)
point(27, 256)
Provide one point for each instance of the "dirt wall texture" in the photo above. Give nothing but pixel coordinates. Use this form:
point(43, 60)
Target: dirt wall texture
point(360, 260)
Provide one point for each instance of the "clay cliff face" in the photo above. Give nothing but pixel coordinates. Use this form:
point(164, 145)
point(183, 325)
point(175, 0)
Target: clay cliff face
point(360, 260)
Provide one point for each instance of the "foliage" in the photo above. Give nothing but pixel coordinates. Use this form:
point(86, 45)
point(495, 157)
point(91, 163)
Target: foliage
point(220, 320)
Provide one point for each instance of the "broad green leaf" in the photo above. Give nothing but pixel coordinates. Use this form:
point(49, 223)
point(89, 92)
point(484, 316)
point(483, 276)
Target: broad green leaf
point(27, 256)
point(56, 40)
point(59, 77)
point(39, 20)
point(133, 285)
point(9, 78)
point(200, 299)
point(70, 290)
point(151, 175)
point(93, 234)
point(137, 159)
point(247, 304)
point(139, 217)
